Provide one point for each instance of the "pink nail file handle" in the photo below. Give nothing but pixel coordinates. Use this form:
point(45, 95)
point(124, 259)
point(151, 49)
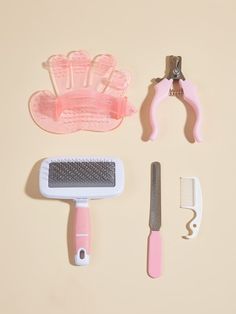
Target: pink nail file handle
point(82, 236)
point(154, 254)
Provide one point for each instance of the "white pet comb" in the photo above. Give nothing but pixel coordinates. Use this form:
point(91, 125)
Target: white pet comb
point(81, 179)
point(191, 198)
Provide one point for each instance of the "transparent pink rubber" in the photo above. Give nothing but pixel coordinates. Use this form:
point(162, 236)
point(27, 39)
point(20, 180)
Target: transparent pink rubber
point(89, 95)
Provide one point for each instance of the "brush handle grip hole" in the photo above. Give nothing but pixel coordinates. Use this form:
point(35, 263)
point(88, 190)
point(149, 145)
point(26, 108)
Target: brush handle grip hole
point(82, 254)
point(194, 225)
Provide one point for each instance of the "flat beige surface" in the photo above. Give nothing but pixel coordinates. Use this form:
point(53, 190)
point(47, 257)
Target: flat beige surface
point(199, 275)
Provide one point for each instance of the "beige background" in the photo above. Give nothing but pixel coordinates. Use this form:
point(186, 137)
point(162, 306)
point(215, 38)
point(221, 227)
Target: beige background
point(199, 275)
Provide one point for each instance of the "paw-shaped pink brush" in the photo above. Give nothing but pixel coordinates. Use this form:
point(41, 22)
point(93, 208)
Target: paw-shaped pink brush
point(89, 95)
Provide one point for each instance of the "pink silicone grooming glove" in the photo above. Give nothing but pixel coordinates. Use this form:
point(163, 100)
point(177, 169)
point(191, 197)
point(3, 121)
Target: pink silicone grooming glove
point(89, 94)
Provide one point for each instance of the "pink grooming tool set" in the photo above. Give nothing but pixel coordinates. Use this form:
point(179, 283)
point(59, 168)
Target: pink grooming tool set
point(175, 84)
point(89, 94)
point(81, 179)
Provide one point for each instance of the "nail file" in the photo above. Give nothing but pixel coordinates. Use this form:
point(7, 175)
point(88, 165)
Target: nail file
point(154, 240)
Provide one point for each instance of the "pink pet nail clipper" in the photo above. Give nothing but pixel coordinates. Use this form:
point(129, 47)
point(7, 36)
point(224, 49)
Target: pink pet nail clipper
point(89, 94)
point(175, 84)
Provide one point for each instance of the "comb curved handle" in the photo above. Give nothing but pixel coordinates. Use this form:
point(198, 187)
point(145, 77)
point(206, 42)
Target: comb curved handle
point(191, 97)
point(82, 236)
point(161, 92)
point(194, 224)
point(154, 254)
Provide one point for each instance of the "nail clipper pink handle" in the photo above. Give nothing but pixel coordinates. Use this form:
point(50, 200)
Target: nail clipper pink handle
point(82, 236)
point(161, 92)
point(191, 97)
point(154, 254)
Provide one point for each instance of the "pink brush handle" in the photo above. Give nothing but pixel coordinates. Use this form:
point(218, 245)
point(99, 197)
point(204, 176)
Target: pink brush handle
point(82, 236)
point(154, 254)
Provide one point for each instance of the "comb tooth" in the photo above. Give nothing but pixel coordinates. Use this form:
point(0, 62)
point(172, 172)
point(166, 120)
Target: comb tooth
point(187, 197)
